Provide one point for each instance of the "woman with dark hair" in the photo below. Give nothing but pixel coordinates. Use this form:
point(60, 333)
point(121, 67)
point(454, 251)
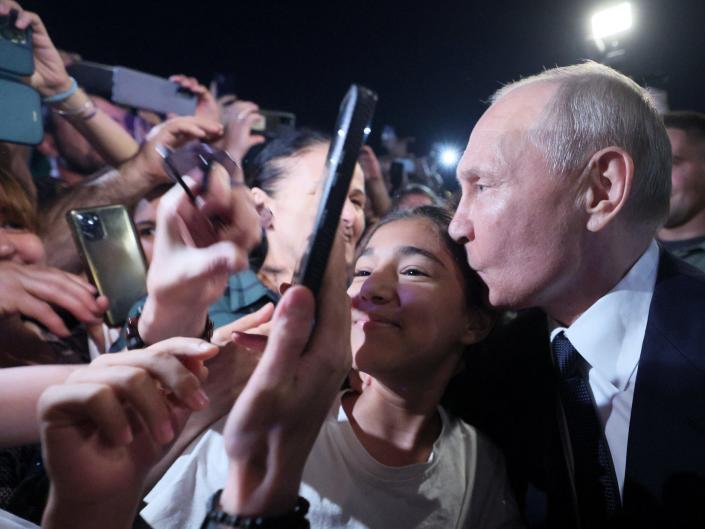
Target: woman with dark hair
point(286, 182)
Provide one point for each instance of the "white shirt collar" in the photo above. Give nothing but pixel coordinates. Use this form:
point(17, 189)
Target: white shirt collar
point(609, 335)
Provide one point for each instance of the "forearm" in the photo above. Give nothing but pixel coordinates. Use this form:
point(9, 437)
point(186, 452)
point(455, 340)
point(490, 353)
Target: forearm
point(20, 389)
point(378, 196)
point(117, 512)
point(160, 321)
point(111, 140)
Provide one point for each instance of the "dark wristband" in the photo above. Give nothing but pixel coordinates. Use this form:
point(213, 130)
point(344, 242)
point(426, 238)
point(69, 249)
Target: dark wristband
point(134, 340)
point(294, 519)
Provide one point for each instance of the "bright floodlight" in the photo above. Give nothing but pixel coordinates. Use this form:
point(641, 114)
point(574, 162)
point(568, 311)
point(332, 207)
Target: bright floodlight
point(449, 157)
point(611, 21)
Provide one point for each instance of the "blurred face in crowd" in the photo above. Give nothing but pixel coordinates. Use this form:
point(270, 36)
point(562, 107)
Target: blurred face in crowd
point(687, 178)
point(414, 200)
point(520, 224)
point(409, 313)
point(145, 219)
point(295, 203)
point(18, 241)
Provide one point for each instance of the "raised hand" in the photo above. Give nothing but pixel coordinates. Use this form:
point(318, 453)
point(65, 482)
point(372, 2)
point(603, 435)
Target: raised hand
point(206, 105)
point(196, 248)
point(109, 423)
point(276, 419)
point(172, 133)
point(49, 75)
point(238, 138)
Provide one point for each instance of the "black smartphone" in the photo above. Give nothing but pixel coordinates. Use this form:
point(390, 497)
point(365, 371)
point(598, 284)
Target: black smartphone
point(133, 88)
point(351, 130)
point(112, 256)
point(16, 57)
point(274, 123)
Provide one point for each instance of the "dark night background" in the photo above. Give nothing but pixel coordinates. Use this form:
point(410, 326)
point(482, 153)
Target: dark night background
point(432, 63)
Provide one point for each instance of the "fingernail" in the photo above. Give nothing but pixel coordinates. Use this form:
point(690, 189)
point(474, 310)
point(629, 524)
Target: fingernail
point(205, 346)
point(126, 436)
point(198, 400)
point(166, 432)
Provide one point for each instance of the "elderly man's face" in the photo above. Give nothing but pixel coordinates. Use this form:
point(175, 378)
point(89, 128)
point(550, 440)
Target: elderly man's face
point(520, 224)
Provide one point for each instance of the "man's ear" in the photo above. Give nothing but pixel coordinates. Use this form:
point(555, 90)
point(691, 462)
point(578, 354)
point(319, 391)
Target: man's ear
point(262, 205)
point(478, 325)
point(607, 186)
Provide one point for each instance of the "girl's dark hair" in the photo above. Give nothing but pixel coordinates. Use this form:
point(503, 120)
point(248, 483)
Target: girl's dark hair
point(439, 217)
point(264, 172)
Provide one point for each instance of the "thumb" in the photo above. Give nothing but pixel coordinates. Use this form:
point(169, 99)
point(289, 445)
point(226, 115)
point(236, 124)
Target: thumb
point(291, 329)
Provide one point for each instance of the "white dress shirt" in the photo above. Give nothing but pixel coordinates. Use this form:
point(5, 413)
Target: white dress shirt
point(609, 336)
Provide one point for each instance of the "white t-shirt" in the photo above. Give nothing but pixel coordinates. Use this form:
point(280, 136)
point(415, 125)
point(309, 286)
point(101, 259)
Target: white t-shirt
point(462, 485)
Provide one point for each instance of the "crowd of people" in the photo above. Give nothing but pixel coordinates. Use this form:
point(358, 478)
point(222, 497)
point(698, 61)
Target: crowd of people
point(528, 352)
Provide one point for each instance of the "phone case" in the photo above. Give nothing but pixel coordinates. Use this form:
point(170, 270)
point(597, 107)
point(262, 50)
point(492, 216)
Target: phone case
point(352, 127)
point(112, 255)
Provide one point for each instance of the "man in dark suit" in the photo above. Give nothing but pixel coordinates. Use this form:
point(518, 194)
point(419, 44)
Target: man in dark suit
point(565, 180)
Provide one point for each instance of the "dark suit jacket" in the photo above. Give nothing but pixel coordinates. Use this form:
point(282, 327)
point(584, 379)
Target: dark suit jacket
point(508, 390)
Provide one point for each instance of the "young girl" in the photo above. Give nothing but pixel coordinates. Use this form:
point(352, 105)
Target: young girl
point(388, 456)
point(391, 456)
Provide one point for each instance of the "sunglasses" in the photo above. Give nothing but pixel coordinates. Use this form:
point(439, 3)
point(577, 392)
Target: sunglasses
point(196, 160)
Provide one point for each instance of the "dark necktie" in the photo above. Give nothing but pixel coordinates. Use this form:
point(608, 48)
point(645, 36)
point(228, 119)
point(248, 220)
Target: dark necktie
point(595, 482)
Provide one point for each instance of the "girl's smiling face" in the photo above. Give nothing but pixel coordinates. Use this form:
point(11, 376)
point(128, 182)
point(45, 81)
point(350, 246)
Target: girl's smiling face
point(409, 310)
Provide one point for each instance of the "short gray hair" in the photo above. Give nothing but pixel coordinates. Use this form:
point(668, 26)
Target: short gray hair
point(596, 107)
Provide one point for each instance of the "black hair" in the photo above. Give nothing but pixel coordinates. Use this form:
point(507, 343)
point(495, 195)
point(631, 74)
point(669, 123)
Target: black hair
point(263, 171)
point(476, 295)
point(692, 123)
point(416, 189)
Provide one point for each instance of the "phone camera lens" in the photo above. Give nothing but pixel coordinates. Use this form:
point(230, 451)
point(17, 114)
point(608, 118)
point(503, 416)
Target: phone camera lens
point(91, 227)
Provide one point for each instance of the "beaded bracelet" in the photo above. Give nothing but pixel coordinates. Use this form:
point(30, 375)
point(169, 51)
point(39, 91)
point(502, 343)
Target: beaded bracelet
point(134, 340)
point(294, 519)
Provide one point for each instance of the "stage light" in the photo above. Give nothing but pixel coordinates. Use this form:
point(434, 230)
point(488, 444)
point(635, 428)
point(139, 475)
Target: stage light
point(367, 131)
point(611, 21)
point(448, 157)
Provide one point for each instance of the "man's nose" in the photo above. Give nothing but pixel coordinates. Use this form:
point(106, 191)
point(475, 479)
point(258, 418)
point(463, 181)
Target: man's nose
point(461, 227)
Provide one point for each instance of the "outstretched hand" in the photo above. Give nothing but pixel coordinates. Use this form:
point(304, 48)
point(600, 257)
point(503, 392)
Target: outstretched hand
point(276, 419)
point(109, 423)
point(172, 133)
point(196, 248)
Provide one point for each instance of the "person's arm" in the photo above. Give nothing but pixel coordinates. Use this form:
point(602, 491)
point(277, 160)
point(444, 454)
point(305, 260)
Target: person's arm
point(125, 185)
point(50, 78)
point(375, 187)
point(104, 428)
point(196, 248)
point(276, 419)
point(20, 389)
